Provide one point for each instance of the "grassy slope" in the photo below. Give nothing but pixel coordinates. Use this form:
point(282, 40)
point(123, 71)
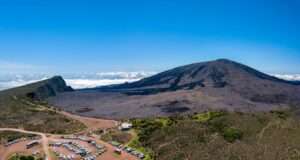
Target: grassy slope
point(226, 136)
point(18, 111)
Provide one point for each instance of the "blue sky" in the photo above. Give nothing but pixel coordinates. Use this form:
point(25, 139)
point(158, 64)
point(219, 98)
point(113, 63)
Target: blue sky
point(56, 36)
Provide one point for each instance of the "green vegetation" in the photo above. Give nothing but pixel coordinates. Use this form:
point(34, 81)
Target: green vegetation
point(16, 113)
point(164, 121)
point(136, 144)
point(206, 116)
point(281, 114)
point(131, 138)
point(146, 128)
point(23, 157)
point(117, 135)
point(220, 136)
point(232, 134)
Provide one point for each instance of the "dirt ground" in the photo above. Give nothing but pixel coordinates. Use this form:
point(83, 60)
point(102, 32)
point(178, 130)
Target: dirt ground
point(92, 123)
point(20, 147)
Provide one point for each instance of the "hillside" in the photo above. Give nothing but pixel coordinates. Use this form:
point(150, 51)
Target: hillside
point(39, 90)
point(219, 84)
point(221, 136)
point(22, 107)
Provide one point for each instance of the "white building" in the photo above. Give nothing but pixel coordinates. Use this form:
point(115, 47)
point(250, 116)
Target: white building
point(125, 126)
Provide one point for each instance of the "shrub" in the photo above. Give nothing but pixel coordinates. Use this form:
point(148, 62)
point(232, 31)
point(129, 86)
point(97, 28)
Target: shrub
point(22, 157)
point(218, 125)
point(207, 116)
point(281, 114)
point(232, 134)
point(26, 158)
point(146, 127)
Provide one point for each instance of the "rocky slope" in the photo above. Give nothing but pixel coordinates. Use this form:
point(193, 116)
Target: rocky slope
point(222, 73)
point(39, 90)
point(219, 84)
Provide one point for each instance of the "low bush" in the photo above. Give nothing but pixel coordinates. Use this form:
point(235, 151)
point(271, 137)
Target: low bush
point(232, 134)
point(22, 157)
point(207, 116)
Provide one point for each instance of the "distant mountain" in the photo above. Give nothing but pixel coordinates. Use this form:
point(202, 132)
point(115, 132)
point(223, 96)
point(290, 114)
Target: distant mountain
point(92, 80)
point(75, 80)
point(39, 90)
point(221, 73)
point(219, 84)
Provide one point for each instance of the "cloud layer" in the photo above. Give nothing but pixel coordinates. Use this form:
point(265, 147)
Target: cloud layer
point(291, 77)
point(76, 81)
point(90, 83)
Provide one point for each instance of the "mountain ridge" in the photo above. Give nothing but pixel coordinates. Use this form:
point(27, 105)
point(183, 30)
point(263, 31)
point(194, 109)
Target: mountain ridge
point(213, 74)
point(39, 90)
point(197, 67)
point(219, 84)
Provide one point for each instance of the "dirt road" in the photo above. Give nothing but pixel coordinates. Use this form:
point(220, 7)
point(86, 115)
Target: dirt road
point(91, 123)
point(44, 139)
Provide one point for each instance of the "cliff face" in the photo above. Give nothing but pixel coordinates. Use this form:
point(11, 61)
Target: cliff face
point(49, 88)
point(40, 90)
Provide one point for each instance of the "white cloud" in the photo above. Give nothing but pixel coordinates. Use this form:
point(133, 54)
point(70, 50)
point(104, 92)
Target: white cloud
point(76, 81)
point(129, 75)
point(91, 83)
point(291, 77)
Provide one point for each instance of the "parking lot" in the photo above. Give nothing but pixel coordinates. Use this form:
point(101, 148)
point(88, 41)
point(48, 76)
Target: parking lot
point(20, 147)
point(68, 147)
point(86, 148)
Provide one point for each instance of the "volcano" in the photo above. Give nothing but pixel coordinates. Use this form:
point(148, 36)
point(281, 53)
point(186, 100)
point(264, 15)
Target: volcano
point(219, 84)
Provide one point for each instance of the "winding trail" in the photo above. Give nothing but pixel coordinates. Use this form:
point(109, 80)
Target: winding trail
point(44, 139)
point(269, 125)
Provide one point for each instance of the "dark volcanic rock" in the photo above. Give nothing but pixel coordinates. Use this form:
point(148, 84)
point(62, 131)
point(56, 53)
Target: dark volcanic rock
point(246, 81)
point(50, 88)
point(220, 84)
